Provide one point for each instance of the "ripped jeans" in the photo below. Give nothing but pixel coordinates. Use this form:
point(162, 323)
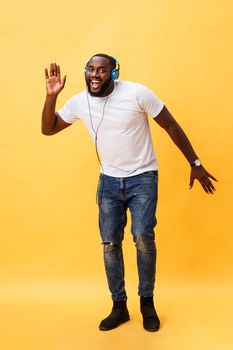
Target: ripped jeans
point(115, 195)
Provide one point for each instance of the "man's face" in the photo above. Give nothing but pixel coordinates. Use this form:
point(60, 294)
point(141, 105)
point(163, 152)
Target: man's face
point(98, 78)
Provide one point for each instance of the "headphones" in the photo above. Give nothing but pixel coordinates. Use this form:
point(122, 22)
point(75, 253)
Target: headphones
point(114, 73)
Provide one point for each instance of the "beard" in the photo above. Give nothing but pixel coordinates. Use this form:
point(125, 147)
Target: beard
point(101, 91)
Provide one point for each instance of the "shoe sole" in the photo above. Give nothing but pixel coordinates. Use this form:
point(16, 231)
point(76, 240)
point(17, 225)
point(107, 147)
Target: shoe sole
point(102, 328)
point(152, 329)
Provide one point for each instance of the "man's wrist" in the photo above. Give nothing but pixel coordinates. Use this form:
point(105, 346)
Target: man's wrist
point(196, 163)
point(52, 97)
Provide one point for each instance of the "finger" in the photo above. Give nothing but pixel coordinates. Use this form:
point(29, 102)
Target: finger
point(58, 71)
point(46, 73)
point(191, 183)
point(51, 69)
point(204, 187)
point(212, 177)
point(207, 184)
point(210, 191)
point(212, 186)
point(55, 69)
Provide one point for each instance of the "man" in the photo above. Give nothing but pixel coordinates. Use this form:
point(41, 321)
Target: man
point(115, 113)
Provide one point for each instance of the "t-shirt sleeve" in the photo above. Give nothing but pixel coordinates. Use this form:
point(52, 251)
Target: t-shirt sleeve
point(69, 111)
point(148, 101)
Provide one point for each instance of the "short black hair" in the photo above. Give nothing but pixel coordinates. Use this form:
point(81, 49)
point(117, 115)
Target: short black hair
point(111, 59)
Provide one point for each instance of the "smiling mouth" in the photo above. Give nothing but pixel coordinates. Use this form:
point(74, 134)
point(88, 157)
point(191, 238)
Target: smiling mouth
point(95, 84)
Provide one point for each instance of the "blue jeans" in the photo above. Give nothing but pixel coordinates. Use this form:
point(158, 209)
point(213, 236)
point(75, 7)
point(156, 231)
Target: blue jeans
point(115, 195)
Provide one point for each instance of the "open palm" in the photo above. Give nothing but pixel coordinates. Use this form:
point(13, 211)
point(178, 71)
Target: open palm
point(54, 83)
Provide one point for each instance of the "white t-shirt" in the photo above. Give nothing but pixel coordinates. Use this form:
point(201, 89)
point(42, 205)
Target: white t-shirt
point(123, 138)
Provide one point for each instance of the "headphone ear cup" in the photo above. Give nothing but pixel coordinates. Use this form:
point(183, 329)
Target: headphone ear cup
point(85, 71)
point(114, 74)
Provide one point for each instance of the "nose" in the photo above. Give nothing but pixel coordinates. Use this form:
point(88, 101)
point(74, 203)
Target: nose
point(95, 73)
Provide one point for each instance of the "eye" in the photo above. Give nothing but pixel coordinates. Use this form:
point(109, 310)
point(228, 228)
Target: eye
point(102, 70)
point(90, 69)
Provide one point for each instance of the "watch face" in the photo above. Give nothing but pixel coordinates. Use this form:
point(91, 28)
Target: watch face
point(197, 162)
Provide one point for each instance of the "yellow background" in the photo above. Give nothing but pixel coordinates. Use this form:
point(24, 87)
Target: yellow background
point(53, 290)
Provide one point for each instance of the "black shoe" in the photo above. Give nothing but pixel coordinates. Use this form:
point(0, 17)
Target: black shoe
point(118, 316)
point(151, 321)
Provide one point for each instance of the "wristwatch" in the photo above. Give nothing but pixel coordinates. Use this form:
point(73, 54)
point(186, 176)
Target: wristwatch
point(196, 162)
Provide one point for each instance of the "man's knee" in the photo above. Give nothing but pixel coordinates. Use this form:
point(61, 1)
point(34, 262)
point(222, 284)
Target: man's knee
point(145, 244)
point(111, 246)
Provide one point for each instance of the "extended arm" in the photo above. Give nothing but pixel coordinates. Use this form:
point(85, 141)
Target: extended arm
point(167, 122)
point(51, 121)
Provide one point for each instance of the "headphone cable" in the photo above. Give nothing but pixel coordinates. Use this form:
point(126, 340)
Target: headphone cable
point(96, 140)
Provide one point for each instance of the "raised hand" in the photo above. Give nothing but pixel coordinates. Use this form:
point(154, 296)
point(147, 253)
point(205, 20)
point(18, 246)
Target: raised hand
point(199, 173)
point(54, 83)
